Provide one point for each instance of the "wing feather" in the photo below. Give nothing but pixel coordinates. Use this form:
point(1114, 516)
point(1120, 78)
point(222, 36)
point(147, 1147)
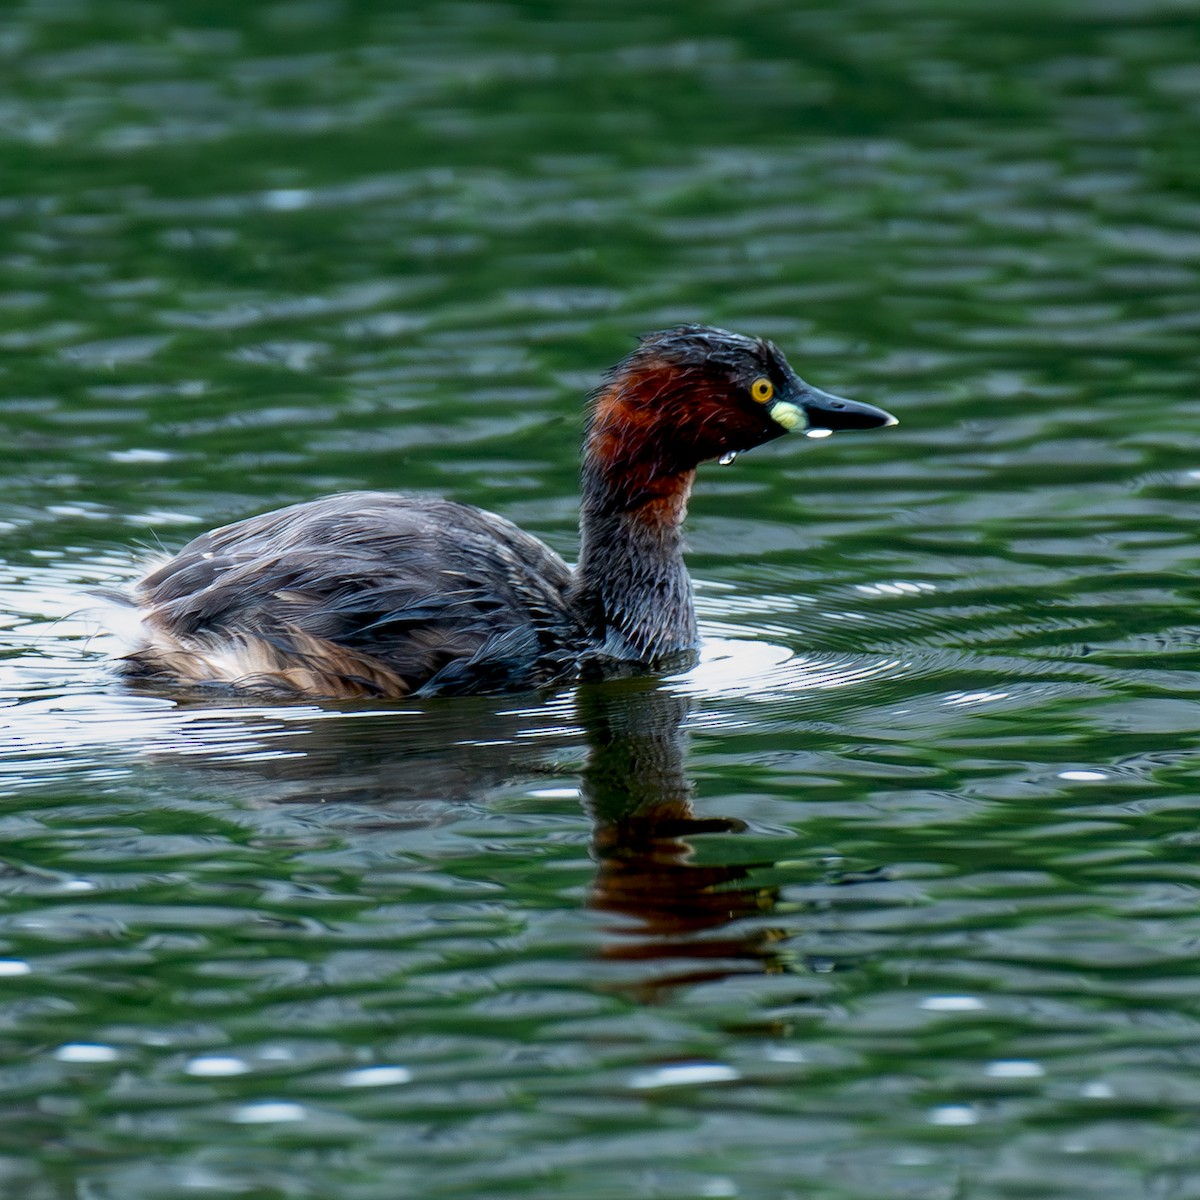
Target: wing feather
point(360, 594)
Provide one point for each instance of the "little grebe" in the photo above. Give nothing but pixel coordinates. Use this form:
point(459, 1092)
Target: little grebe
point(370, 594)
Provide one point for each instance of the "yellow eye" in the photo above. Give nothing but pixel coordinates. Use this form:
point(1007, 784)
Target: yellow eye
point(762, 390)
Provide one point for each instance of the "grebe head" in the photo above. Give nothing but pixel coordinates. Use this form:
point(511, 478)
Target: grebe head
point(694, 393)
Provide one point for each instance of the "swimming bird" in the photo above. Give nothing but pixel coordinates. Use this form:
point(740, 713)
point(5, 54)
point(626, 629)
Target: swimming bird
point(374, 594)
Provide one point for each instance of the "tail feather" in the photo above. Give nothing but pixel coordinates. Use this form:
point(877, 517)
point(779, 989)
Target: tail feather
point(116, 613)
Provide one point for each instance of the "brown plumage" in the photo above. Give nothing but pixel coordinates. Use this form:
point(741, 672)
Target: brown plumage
point(370, 594)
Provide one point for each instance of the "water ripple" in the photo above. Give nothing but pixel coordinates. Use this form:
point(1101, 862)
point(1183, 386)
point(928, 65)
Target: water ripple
point(894, 891)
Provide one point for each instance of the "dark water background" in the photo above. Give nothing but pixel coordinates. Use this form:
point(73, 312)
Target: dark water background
point(896, 895)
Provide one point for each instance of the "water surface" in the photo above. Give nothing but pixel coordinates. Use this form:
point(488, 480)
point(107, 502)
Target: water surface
point(895, 894)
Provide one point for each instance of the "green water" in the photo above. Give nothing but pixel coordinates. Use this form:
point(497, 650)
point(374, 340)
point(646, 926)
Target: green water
point(896, 894)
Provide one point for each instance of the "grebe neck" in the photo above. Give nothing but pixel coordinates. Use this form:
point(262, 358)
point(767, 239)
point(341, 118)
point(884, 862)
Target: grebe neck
point(632, 591)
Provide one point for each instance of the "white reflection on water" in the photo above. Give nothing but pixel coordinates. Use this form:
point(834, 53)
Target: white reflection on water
point(764, 670)
point(216, 1066)
point(86, 1052)
point(268, 1111)
point(376, 1076)
point(684, 1074)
